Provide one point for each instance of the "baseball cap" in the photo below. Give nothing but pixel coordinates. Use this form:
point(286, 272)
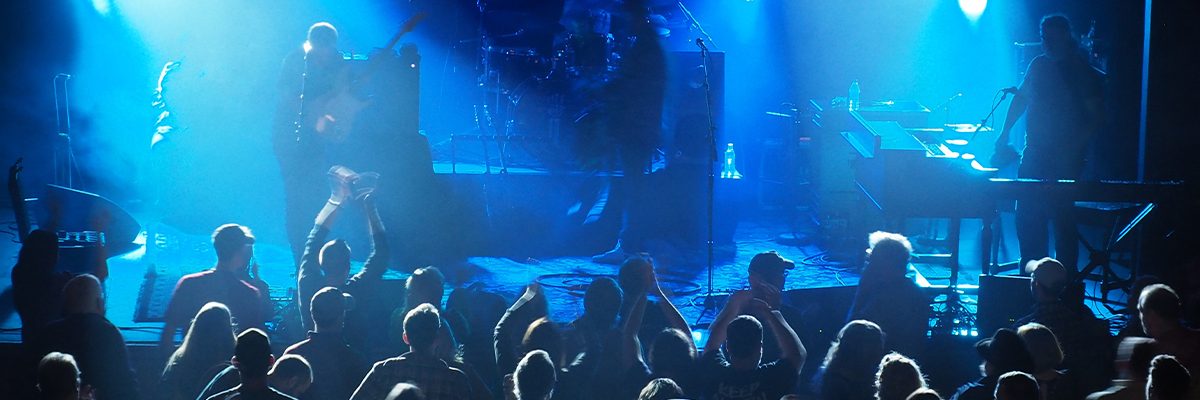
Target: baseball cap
point(770, 261)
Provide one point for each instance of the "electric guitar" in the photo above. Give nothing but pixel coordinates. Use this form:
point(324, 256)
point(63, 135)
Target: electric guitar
point(338, 110)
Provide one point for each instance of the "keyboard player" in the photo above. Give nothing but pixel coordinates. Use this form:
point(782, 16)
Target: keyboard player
point(1061, 99)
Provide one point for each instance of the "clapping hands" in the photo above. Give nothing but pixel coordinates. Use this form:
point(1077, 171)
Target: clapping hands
point(346, 184)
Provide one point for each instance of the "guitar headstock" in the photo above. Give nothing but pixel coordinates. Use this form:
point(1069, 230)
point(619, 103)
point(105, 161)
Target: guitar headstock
point(412, 22)
point(407, 27)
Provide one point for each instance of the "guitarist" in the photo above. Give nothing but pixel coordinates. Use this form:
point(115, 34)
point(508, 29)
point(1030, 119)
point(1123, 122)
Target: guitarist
point(1061, 99)
point(309, 72)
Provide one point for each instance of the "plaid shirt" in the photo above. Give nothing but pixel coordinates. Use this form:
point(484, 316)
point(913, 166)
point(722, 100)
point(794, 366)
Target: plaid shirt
point(435, 378)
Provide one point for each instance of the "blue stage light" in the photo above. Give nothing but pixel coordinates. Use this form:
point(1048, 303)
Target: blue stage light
point(102, 6)
point(973, 9)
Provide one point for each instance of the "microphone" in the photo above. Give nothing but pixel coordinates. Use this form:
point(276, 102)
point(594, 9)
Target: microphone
point(1010, 90)
point(700, 42)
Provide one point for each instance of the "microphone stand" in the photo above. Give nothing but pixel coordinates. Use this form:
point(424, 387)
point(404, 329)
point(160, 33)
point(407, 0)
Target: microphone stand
point(983, 122)
point(65, 168)
point(712, 161)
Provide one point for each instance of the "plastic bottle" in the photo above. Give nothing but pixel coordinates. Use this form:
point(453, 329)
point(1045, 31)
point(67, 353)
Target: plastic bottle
point(729, 170)
point(855, 94)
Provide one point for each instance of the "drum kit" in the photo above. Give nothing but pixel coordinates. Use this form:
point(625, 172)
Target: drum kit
point(544, 81)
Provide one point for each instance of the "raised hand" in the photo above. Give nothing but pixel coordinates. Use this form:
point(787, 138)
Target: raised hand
point(766, 292)
point(532, 291)
point(364, 184)
point(340, 178)
point(649, 277)
point(739, 300)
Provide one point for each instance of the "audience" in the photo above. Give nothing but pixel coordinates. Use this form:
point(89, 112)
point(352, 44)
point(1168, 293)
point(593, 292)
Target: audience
point(1133, 370)
point(673, 355)
point(1169, 380)
point(223, 283)
point(848, 372)
point(897, 378)
point(58, 378)
point(1084, 339)
point(1133, 321)
point(253, 359)
point(673, 352)
point(473, 313)
point(420, 365)
point(1016, 385)
point(631, 342)
point(924, 394)
point(1002, 353)
point(887, 297)
point(96, 344)
point(511, 331)
point(661, 389)
point(535, 377)
point(292, 375)
point(1161, 311)
point(336, 368)
point(597, 326)
point(327, 264)
point(405, 391)
point(545, 335)
point(767, 272)
point(427, 285)
point(206, 350)
point(1047, 355)
point(36, 286)
point(740, 373)
point(632, 277)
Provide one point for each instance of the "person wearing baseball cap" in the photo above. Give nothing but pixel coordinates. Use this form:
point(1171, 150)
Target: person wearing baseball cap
point(1087, 355)
point(253, 359)
point(769, 268)
point(768, 271)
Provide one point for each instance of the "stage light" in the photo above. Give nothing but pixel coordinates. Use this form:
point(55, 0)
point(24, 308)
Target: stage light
point(973, 9)
point(102, 6)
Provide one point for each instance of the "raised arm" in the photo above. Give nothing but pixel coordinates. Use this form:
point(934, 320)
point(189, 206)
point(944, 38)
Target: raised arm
point(631, 349)
point(717, 331)
point(672, 315)
point(311, 278)
point(791, 349)
point(530, 306)
point(381, 252)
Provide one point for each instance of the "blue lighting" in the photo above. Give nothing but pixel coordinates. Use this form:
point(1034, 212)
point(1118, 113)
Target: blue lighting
point(973, 9)
point(102, 6)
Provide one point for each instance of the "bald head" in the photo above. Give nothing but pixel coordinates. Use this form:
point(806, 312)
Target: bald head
point(1160, 310)
point(83, 295)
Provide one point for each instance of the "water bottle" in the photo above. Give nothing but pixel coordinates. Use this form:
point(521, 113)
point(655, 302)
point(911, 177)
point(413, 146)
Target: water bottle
point(729, 170)
point(855, 94)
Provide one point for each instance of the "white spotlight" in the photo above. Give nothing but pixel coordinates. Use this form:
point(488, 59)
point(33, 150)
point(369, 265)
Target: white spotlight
point(973, 9)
